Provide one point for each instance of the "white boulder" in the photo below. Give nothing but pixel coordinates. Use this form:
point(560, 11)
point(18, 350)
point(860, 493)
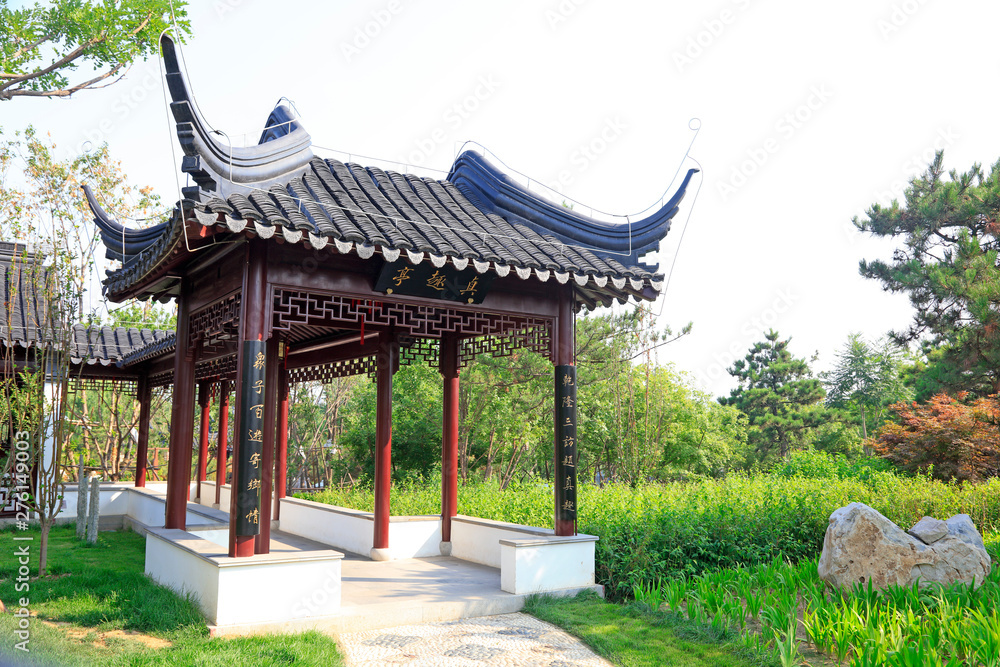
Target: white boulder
point(861, 545)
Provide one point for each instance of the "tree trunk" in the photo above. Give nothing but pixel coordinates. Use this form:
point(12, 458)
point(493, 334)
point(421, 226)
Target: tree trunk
point(864, 431)
point(43, 547)
point(490, 454)
point(463, 458)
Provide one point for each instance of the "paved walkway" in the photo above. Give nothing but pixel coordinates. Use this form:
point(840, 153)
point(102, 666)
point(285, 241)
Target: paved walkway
point(517, 639)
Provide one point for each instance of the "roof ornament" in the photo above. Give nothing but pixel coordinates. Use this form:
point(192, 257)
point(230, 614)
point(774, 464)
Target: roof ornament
point(283, 151)
point(484, 183)
point(477, 218)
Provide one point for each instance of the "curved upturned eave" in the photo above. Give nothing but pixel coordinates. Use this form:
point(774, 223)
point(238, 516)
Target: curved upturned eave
point(121, 243)
point(224, 169)
point(480, 180)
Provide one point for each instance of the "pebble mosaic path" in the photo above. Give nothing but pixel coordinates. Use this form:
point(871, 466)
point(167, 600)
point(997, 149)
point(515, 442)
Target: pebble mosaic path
point(515, 640)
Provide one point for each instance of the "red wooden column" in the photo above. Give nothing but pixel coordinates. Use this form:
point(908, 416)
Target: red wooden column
point(388, 361)
point(263, 542)
point(449, 440)
point(220, 465)
point(251, 328)
point(144, 394)
point(205, 401)
point(281, 466)
point(181, 418)
point(565, 417)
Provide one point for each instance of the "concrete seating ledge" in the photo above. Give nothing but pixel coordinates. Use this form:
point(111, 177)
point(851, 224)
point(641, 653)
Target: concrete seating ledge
point(267, 588)
point(195, 561)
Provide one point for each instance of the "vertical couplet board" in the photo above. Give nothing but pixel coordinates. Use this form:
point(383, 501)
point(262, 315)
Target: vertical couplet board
point(248, 467)
point(566, 442)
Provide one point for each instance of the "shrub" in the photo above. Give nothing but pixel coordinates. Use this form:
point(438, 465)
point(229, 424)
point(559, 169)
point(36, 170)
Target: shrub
point(653, 531)
point(816, 464)
point(945, 437)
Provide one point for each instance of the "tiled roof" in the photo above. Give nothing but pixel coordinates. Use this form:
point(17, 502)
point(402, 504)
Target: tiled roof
point(24, 309)
point(476, 217)
point(155, 348)
point(106, 345)
point(25, 321)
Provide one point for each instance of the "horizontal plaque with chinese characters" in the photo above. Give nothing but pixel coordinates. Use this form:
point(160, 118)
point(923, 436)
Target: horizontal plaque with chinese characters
point(426, 280)
point(566, 445)
point(251, 434)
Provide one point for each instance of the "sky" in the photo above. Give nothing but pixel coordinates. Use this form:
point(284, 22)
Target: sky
point(807, 113)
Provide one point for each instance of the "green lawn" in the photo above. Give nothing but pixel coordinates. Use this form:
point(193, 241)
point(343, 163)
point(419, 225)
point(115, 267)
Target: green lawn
point(96, 607)
point(631, 637)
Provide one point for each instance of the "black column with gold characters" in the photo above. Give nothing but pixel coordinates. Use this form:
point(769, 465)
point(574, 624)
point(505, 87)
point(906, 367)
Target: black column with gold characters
point(251, 432)
point(566, 456)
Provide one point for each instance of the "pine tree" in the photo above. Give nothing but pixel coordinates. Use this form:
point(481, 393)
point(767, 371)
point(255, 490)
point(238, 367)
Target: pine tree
point(779, 396)
point(947, 264)
point(868, 379)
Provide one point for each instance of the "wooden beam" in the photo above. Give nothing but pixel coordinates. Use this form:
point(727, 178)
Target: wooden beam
point(281, 467)
point(345, 352)
point(449, 440)
point(388, 362)
point(220, 470)
point(262, 544)
point(252, 306)
point(564, 417)
point(181, 423)
point(205, 402)
point(144, 394)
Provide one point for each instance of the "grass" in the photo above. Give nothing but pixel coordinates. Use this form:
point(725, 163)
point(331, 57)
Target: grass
point(667, 530)
point(631, 636)
point(788, 612)
point(96, 607)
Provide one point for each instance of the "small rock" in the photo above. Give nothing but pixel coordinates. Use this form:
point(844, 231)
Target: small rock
point(929, 530)
point(861, 546)
point(961, 527)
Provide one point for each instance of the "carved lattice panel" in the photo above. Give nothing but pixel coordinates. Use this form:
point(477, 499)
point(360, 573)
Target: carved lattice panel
point(218, 319)
point(162, 379)
point(223, 368)
point(337, 369)
point(295, 307)
point(126, 385)
point(537, 339)
point(423, 350)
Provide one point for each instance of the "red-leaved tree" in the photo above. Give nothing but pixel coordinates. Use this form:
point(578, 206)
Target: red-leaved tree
point(959, 439)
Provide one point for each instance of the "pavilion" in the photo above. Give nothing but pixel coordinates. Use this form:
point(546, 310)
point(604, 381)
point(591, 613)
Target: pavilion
point(287, 267)
point(28, 327)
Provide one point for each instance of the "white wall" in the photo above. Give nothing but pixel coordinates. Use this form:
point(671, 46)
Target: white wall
point(478, 540)
point(354, 530)
point(114, 497)
point(350, 530)
point(547, 564)
point(260, 589)
point(113, 500)
point(208, 498)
